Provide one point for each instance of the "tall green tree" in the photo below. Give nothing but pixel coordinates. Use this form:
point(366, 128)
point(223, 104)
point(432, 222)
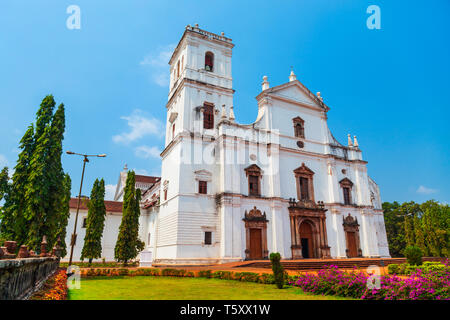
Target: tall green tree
point(55, 176)
point(419, 236)
point(37, 201)
point(92, 248)
point(64, 214)
point(395, 231)
point(4, 183)
point(128, 244)
point(37, 193)
point(14, 225)
point(425, 225)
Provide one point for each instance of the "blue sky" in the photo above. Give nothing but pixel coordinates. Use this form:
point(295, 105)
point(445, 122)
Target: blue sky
point(389, 86)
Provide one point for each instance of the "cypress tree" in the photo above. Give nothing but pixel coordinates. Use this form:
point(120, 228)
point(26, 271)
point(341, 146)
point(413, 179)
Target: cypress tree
point(44, 114)
point(420, 240)
point(128, 244)
point(4, 184)
point(55, 176)
point(14, 225)
point(37, 201)
point(95, 223)
point(64, 213)
point(37, 192)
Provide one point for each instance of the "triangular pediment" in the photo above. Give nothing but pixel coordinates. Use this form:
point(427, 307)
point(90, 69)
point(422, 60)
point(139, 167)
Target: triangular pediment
point(295, 92)
point(346, 182)
point(303, 170)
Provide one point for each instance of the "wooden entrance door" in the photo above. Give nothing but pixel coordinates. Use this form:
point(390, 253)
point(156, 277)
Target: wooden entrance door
point(351, 245)
point(306, 238)
point(256, 244)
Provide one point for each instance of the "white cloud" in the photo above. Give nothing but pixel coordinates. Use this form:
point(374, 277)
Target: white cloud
point(425, 190)
point(110, 190)
point(140, 126)
point(147, 152)
point(141, 172)
point(157, 64)
point(3, 161)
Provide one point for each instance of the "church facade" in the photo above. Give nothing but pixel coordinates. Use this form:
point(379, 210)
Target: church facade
point(231, 191)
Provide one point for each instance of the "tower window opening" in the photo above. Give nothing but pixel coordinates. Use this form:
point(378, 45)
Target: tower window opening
point(209, 61)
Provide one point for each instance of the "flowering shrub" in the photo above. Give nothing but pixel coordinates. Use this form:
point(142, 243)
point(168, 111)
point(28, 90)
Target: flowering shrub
point(55, 288)
point(418, 286)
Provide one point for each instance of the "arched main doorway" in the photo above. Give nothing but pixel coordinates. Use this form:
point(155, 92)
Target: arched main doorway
point(307, 240)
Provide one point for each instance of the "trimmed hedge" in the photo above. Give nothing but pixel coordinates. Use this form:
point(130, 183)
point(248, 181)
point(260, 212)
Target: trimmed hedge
point(427, 267)
point(98, 264)
point(264, 278)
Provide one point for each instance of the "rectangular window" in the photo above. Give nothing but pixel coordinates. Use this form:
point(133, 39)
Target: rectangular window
point(346, 195)
point(304, 188)
point(202, 187)
point(208, 117)
point(148, 240)
point(165, 194)
point(83, 224)
point(208, 237)
point(253, 185)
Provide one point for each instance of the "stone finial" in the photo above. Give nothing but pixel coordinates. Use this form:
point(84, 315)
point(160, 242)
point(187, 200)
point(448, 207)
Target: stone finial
point(224, 112)
point(23, 252)
point(196, 25)
point(319, 96)
point(222, 33)
point(356, 142)
point(44, 246)
point(265, 83)
point(11, 247)
point(57, 249)
point(350, 143)
point(292, 76)
point(232, 117)
point(125, 167)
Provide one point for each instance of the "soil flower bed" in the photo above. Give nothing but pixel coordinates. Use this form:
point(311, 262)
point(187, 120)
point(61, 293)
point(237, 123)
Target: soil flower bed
point(54, 288)
point(418, 286)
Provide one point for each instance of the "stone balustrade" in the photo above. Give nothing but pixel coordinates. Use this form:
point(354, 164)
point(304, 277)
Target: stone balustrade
point(23, 274)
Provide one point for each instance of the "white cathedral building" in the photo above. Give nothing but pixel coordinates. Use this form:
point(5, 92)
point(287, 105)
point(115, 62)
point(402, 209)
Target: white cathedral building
point(232, 192)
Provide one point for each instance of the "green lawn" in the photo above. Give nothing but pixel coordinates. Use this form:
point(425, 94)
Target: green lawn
point(173, 288)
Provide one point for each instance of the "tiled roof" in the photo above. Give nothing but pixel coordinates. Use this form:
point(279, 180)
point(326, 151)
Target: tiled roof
point(111, 206)
point(146, 179)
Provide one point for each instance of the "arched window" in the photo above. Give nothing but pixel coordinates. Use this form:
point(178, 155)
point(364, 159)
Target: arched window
point(346, 186)
point(305, 187)
point(299, 129)
point(178, 69)
point(208, 116)
point(209, 61)
point(254, 174)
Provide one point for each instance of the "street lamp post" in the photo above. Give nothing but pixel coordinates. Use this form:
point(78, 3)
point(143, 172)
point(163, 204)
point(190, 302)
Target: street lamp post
point(74, 234)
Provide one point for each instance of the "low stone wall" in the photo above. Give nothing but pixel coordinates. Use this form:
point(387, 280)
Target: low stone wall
point(19, 278)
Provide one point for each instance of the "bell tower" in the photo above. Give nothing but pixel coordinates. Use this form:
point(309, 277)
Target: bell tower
point(200, 82)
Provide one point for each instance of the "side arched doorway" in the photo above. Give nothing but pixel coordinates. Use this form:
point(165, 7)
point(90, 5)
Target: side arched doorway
point(256, 235)
point(307, 240)
point(351, 229)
